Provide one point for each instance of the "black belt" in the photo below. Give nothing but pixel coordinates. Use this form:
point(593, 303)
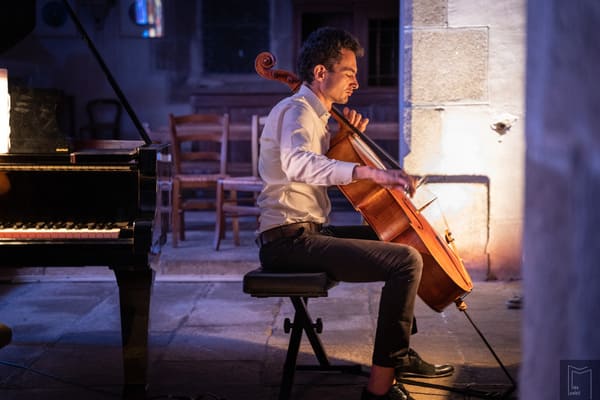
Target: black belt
point(295, 229)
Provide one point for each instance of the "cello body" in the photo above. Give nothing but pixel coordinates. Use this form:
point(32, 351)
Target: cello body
point(395, 219)
point(388, 210)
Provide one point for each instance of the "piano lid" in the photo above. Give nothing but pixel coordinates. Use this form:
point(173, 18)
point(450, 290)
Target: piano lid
point(17, 20)
point(134, 118)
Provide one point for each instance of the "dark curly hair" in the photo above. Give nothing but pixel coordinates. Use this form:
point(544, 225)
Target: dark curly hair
point(324, 46)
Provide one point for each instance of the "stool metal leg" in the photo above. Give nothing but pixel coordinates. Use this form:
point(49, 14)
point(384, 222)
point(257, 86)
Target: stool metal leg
point(304, 323)
point(289, 368)
point(307, 325)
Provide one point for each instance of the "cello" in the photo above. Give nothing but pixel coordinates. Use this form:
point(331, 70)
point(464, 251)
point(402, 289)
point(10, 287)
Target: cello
point(389, 210)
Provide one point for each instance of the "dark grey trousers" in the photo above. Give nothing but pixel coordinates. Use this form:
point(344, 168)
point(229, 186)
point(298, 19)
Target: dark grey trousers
point(354, 254)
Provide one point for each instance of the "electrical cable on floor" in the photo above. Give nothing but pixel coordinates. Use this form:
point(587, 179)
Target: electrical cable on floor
point(56, 378)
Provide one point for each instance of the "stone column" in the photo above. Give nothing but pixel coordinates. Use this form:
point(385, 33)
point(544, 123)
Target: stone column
point(561, 240)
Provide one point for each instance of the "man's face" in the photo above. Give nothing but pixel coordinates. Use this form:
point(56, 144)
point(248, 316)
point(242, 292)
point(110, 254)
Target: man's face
point(340, 82)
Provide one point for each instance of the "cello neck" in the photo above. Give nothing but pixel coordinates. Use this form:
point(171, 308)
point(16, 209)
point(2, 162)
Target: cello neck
point(381, 153)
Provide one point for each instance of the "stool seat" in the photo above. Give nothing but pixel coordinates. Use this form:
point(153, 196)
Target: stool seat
point(261, 283)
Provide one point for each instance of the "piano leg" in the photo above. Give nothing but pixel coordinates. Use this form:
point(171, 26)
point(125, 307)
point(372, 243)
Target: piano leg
point(135, 287)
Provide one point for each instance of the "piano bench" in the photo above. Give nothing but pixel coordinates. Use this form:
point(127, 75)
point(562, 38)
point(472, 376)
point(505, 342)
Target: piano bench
point(299, 287)
point(5, 335)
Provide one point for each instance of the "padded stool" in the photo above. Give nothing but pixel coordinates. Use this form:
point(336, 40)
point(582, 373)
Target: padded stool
point(299, 287)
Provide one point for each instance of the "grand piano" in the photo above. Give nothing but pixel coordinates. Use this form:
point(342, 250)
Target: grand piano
point(88, 207)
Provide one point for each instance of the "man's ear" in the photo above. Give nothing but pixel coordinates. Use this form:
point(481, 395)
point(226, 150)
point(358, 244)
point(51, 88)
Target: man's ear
point(319, 71)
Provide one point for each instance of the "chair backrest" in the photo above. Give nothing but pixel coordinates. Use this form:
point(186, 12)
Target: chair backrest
point(105, 118)
point(258, 123)
point(199, 143)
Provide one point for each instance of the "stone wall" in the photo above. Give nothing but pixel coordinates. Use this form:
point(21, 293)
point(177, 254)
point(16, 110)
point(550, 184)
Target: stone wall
point(463, 73)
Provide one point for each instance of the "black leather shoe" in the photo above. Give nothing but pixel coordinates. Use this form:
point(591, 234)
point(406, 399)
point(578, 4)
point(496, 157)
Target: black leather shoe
point(415, 366)
point(396, 392)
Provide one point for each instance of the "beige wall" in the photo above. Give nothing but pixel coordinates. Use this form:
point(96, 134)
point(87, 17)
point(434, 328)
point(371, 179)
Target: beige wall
point(463, 72)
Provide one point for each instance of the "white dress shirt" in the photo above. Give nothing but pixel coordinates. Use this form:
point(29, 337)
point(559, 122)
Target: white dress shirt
point(293, 164)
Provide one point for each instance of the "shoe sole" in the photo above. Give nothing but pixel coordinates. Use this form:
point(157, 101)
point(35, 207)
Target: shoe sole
point(413, 375)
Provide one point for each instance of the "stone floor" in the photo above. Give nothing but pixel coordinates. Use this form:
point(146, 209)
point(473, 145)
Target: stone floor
point(209, 340)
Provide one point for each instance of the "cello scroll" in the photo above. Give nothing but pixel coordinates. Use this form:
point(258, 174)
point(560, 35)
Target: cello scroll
point(264, 65)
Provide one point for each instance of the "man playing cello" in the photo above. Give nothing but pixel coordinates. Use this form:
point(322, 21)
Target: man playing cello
point(294, 208)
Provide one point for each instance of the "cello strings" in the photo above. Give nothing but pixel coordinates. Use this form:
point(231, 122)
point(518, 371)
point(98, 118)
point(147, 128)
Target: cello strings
point(365, 151)
point(361, 148)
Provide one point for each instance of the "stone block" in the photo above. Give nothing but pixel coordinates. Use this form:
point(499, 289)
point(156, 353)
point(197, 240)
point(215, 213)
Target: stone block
point(430, 12)
point(449, 66)
point(424, 141)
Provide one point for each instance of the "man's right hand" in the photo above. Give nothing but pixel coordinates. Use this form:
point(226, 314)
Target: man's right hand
point(387, 177)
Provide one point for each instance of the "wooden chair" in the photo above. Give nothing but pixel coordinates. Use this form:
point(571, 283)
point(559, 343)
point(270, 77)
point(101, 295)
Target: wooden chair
point(199, 155)
point(229, 203)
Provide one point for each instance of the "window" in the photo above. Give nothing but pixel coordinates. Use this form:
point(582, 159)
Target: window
point(383, 52)
point(375, 24)
point(313, 21)
point(233, 33)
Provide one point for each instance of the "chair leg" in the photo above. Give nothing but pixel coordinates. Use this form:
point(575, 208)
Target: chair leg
point(235, 226)
point(181, 225)
point(220, 217)
point(175, 217)
point(235, 222)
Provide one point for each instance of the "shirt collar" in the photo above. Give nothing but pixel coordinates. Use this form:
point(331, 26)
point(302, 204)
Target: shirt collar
point(315, 103)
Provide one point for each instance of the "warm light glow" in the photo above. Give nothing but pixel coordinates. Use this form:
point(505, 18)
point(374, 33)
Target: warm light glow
point(4, 112)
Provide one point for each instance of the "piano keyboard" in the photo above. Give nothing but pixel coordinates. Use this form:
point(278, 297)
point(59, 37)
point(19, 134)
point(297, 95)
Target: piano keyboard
point(59, 231)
